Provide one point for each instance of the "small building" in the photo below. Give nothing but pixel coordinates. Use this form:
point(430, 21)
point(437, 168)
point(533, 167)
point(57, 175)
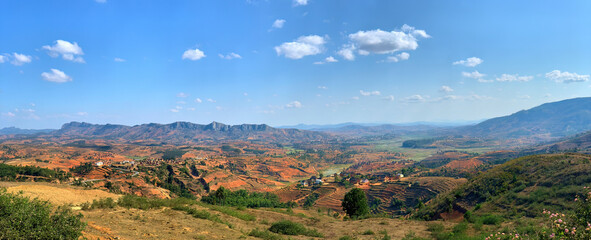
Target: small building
point(304, 183)
point(99, 164)
point(364, 182)
point(318, 181)
point(400, 175)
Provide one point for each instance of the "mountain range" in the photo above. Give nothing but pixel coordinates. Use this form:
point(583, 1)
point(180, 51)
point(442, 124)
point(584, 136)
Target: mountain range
point(547, 122)
point(186, 132)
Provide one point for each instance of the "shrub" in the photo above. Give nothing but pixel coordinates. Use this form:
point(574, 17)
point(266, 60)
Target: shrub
point(292, 228)
point(266, 235)
point(491, 219)
point(23, 218)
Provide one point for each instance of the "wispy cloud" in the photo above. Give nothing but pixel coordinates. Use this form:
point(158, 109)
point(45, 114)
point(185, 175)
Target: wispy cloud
point(300, 2)
point(182, 95)
point(119, 60)
point(56, 76)
point(370, 93)
point(566, 77)
point(446, 89)
point(414, 98)
point(20, 59)
point(389, 98)
point(294, 104)
point(514, 78)
point(469, 62)
point(330, 59)
point(399, 57)
point(278, 23)
point(230, 56)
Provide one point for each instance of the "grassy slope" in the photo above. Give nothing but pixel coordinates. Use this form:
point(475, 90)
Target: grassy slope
point(520, 187)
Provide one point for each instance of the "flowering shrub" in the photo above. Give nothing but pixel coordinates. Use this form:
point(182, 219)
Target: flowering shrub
point(575, 226)
point(506, 236)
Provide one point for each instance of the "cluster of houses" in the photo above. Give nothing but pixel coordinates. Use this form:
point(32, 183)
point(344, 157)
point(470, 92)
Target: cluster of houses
point(313, 181)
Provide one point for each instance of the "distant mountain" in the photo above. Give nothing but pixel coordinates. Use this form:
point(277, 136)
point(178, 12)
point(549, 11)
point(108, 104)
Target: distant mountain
point(547, 121)
point(16, 131)
point(186, 132)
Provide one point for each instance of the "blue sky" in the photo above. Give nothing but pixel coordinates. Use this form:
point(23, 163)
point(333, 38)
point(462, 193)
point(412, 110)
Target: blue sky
point(287, 62)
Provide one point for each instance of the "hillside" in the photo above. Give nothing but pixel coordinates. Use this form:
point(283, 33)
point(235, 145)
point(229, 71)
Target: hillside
point(520, 187)
point(185, 132)
point(578, 143)
point(547, 121)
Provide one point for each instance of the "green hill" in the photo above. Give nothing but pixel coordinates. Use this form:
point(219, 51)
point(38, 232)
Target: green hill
point(521, 187)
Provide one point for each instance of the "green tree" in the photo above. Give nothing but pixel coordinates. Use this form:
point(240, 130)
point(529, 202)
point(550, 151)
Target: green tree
point(355, 203)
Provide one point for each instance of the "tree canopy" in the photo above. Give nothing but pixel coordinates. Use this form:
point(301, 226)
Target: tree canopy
point(355, 203)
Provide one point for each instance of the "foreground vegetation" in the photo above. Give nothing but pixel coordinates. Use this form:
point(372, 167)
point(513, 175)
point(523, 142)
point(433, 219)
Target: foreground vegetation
point(24, 218)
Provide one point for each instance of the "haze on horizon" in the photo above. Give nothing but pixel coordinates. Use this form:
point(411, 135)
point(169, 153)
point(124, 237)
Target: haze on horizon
point(287, 62)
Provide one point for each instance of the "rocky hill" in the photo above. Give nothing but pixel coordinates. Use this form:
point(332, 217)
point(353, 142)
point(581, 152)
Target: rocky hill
point(186, 132)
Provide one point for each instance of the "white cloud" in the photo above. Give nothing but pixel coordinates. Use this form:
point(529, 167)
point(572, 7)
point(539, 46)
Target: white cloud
point(383, 42)
point(355, 98)
point(389, 98)
point(20, 59)
point(294, 104)
point(10, 114)
point(414, 98)
point(56, 76)
point(475, 75)
point(191, 109)
point(399, 57)
point(100, 1)
point(566, 77)
point(119, 60)
point(181, 102)
point(372, 93)
point(193, 54)
point(3, 59)
point(300, 2)
point(230, 56)
point(182, 95)
point(470, 62)
point(278, 23)
point(174, 110)
point(446, 89)
point(82, 113)
point(210, 100)
point(347, 52)
point(198, 100)
point(303, 46)
point(514, 78)
point(69, 51)
point(330, 59)
point(322, 87)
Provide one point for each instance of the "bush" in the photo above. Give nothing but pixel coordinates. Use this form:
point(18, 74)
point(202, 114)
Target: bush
point(491, 219)
point(266, 235)
point(23, 218)
point(292, 228)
